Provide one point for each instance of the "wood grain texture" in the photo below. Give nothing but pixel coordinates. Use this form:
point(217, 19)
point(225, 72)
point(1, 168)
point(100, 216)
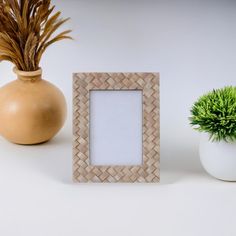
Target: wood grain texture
point(148, 83)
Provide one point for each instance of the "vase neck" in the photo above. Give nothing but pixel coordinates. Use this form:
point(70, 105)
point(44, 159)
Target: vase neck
point(30, 76)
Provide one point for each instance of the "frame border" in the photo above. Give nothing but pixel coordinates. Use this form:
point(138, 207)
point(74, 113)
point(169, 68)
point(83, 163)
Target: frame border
point(148, 83)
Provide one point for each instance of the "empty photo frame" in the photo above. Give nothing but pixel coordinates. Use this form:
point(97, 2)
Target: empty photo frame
point(116, 127)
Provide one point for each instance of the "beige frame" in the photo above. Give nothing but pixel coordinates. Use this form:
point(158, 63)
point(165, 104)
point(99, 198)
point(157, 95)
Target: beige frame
point(149, 84)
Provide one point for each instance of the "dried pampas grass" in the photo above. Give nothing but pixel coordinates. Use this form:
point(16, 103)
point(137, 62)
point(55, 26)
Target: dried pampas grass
point(27, 28)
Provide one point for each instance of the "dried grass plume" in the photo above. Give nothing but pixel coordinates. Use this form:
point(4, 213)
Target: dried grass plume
point(27, 28)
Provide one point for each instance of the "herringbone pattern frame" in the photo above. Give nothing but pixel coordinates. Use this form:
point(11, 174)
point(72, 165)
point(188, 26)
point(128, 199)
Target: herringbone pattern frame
point(149, 84)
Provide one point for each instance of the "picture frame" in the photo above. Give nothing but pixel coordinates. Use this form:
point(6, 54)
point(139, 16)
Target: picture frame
point(146, 172)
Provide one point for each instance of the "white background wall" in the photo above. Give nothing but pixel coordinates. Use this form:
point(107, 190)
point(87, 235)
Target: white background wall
point(193, 46)
point(191, 43)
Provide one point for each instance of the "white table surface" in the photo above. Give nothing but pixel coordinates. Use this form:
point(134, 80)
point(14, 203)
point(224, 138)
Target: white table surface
point(38, 197)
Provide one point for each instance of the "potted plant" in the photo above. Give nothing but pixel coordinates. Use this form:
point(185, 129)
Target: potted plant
point(214, 114)
point(32, 110)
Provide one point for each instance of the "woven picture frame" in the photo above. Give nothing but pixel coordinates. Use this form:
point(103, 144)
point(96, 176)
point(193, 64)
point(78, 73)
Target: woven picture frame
point(148, 83)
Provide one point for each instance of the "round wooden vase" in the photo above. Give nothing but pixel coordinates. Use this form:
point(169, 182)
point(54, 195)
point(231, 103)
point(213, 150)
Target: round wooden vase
point(32, 110)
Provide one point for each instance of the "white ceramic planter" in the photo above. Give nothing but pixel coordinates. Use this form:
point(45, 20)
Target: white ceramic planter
point(218, 158)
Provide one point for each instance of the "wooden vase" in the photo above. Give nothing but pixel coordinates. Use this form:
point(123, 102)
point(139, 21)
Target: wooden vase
point(32, 110)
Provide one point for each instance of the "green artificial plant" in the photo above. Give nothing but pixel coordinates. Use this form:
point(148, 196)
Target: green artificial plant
point(215, 113)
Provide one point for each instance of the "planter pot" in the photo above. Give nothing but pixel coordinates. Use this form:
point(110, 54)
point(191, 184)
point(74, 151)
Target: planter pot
point(32, 110)
point(218, 158)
